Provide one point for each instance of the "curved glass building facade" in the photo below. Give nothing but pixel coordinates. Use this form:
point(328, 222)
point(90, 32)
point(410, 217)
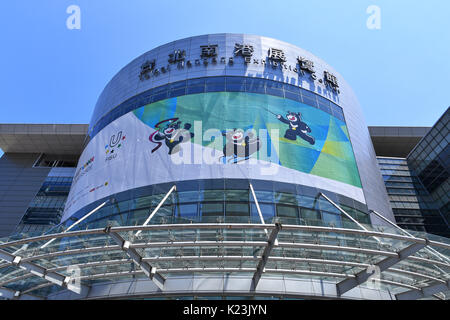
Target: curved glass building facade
point(207, 88)
point(228, 165)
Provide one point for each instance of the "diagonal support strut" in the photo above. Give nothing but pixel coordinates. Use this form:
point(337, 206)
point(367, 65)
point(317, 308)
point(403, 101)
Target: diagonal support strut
point(360, 278)
point(424, 292)
point(41, 272)
point(155, 211)
point(430, 249)
point(265, 256)
point(9, 294)
point(150, 271)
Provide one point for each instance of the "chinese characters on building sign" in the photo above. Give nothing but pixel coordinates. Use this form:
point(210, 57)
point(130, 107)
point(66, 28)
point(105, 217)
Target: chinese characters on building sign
point(276, 56)
point(307, 66)
point(146, 69)
point(178, 57)
point(244, 50)
point(331, 81)
point(210, 53)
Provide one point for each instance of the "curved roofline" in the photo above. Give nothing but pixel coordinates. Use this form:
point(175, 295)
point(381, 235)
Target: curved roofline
point(214, 34)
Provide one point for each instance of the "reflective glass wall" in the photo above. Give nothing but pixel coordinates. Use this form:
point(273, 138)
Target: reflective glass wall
point(413, 206)
point(45, 210)
point(223, 201)
point(431, 161)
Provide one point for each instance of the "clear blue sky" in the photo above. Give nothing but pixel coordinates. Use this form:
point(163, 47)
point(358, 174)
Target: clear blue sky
point(49, 74)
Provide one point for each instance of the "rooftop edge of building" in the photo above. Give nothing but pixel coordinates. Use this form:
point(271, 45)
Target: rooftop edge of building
point(60, 139)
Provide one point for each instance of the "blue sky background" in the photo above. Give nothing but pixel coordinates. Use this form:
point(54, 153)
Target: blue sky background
point(49, 74)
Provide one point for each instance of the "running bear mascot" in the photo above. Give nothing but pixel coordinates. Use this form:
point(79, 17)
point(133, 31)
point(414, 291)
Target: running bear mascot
point(297, 128)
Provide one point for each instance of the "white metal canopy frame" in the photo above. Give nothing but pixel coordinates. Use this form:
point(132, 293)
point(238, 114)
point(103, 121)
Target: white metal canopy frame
point(264, 256)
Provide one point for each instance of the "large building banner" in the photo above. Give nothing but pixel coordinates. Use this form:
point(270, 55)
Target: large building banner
point(215, 136)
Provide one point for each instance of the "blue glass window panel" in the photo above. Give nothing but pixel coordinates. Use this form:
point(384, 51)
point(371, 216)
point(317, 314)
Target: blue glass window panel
point(165, 211)
point(274, 84)
point(286, 198)
point(159, 89)
point(215, 84)
point(324, 105)
point(177, 92)
point(340, 117)
point(160, 96)
point(194, 90)
point(237, 195)
point(310, 215)
point(187, 211)
point(292, 89)
point(275, 92)
point(255, 85)
point(336, 109)
point(307, 202)
point(213, 184)
point(215, 87)
point(274, 88)
point(267, 211)
point(178, 85)
point(188, 196)
point(196, 82)
point(235, 84)
point(215, 81)
point(308, 94)
point(293, 96)
point(234, 184)
point(236, 80)
point(331, 219)
point(309, 101)
point(212, 195)
point(264, 196)
point(287, 211)
point(237, 209)
point(189, 186)
point(211, 209)
point(230, 87)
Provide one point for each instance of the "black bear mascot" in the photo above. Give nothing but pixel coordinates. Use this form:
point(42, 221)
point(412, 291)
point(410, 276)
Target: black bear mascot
point(297, 128)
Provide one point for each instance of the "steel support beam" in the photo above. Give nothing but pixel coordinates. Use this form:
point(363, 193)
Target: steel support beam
point(260, 269)
point(428, 248)
point(258, 209)
point(342, 211)
point(42, 272)
point(9, 294)
point(16, 295)
point(149, 271)
point(224, 226)
point(347, 215)
point(77, 223)
point(424, 292)
point(360, 278)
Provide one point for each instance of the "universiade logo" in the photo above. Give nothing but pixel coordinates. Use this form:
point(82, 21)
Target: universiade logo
point(116, 142)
